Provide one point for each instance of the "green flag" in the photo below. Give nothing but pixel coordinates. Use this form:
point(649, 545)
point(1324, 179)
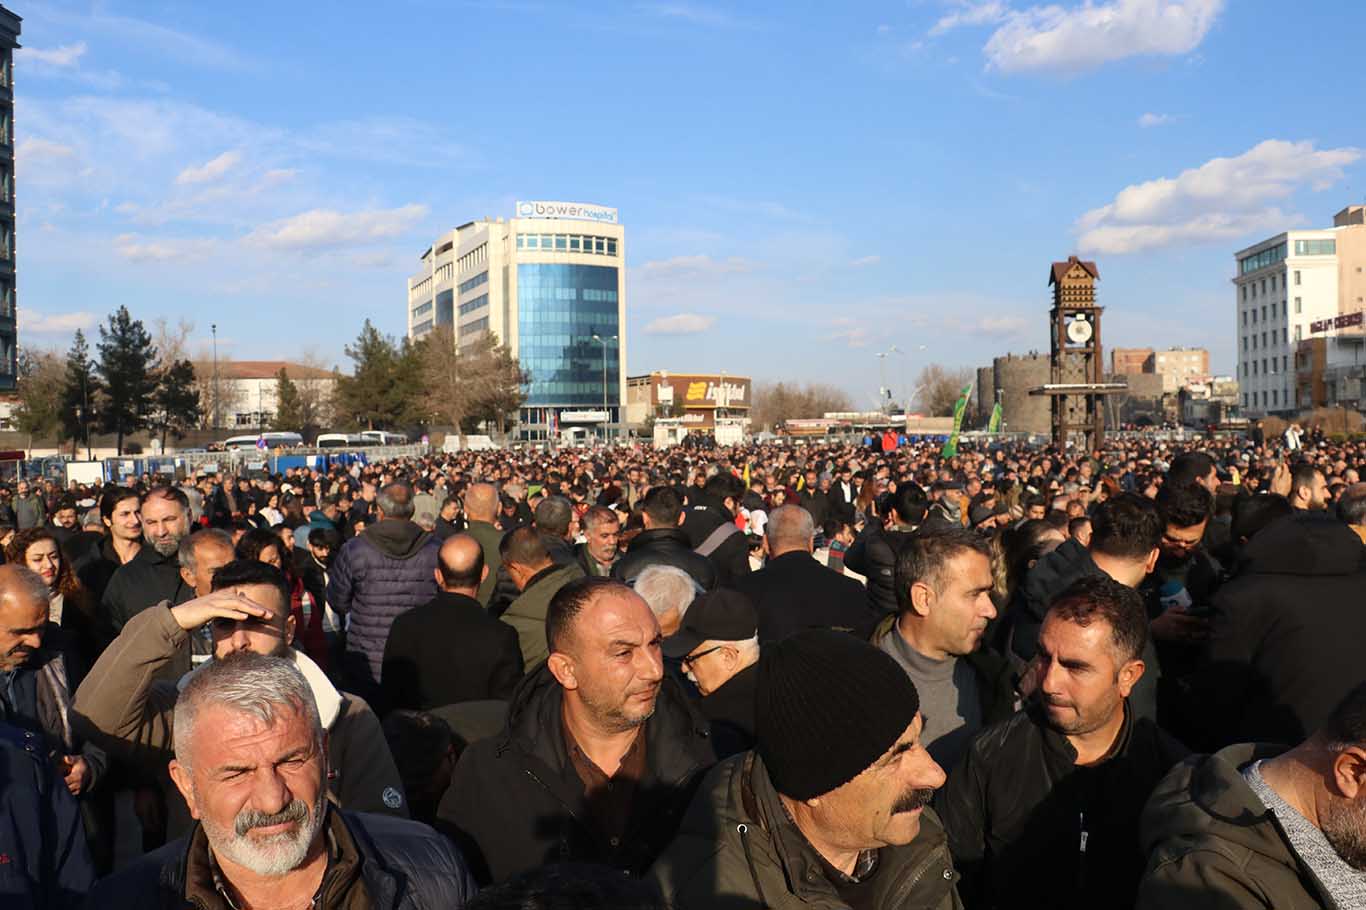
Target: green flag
point(994, 425)
point(951, 447)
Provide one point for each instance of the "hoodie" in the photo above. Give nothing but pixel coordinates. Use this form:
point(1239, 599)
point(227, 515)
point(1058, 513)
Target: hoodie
point(1212, 844)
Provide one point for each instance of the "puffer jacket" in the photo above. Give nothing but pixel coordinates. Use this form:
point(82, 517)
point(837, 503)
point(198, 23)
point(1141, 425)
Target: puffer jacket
point(515, 801)
point(873, 556)
point(1028, 827)
point(1285, 635)
point(737, 849)
point(404, 865)
point(1207, 833)
point(46, 862)
point(388, 569)
point(664, 546)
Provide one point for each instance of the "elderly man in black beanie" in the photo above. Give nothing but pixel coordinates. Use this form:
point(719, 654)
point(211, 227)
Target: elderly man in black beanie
point(831, 808)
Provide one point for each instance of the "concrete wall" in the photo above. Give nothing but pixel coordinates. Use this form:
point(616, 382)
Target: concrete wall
point(1014, 377)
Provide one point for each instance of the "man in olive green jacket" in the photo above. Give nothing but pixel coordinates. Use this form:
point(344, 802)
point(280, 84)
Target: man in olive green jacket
point(481, 510)
point(1255, 827)
point(831, 810)
point(528, 563)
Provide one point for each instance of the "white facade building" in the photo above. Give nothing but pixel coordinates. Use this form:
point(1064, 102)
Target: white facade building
point(1283, 286)
point(550, 284)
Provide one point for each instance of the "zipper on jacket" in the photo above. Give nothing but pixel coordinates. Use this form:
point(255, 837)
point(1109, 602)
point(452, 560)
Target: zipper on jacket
point(1081, 852)
point(743, 830)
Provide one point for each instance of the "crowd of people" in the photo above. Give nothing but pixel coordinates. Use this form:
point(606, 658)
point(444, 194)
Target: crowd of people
point(771, 675)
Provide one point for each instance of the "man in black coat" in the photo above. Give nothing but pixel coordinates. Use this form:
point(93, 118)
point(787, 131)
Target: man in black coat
point(450, 650)
point(600, 755)
point(1043, 810)
point(153, 575)
point(710, 526)
point(717, 646)
point(663, 542)
point(794, 592)
point(873, 554)
point(1285, 634)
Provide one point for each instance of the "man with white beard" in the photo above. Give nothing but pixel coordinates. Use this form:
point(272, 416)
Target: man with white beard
point(251, 762)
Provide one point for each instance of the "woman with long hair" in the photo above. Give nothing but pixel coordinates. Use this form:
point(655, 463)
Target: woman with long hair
point(70, 604)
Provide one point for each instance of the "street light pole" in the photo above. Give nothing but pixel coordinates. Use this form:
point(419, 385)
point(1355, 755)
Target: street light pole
point(605, 423)
point(213, 413)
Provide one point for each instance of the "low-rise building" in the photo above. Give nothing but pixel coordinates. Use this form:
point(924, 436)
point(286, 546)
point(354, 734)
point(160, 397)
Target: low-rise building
point(245, 394)
point(698, 400)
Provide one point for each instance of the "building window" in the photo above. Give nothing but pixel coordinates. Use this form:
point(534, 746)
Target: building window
point(1299, 302)
point(1275, 397)
point(1264, 312)
point(1244, 342)
point(1315, 247)
point(1254, 368)
point(1245, 399)
point(1244, 290)
point(1285, 362)
point(1264, 339)
point(1285, 336)
point(1244, 317)
point(1297, 333)
point(422, 310)
point(1297, 277)
point(469, 306)
point(472, 283)
point(1263, 286)
point(1261, 260)
point(1273, 283)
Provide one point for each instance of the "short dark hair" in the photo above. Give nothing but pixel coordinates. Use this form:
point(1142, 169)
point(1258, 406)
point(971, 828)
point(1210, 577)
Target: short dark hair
point(468, 576)
point(1189, 467)
point(1075, 524)
point(554, 515)
point(1127, 526)
point(1252, 513)
point(1100, 596)
point(924, 556)
point(724, 486)
point(1184, 505)
point(419, 743)
point(524, 547)
point(910, 503)
point(111, 498)
point(324, 537)
point(1347, 724)
point(1302, 475)
point(175, 494)
point(833, 525)
point(569, 602)
point(569, 886)
point(252, 572)
point(663, 506)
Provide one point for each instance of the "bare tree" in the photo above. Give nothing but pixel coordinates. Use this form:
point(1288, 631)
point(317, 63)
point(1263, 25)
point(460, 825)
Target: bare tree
point(941, 388)
point(777, 402)
point(221, 398)
point(171, 341)
point(478, 381)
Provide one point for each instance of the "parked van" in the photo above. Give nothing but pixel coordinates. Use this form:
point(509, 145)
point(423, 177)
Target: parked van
point(272, 440)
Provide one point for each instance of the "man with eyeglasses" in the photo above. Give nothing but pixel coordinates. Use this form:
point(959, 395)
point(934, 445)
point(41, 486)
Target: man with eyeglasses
point(248, 610)
point(718, 645)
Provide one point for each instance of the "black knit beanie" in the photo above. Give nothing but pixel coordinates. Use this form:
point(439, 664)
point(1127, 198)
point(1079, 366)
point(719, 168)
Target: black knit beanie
point(828, 705)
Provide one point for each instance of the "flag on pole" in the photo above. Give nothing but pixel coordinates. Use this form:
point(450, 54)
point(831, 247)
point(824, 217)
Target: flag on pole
point(951, 446)
point(994, 425)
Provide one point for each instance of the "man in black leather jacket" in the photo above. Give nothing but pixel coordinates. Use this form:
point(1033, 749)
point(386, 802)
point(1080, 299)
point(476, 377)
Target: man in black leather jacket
point(873, 554)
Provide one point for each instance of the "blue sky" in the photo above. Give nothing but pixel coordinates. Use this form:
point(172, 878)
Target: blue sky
point(803, 184)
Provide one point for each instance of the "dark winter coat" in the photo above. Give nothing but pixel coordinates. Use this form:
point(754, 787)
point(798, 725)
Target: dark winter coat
point(731, 558)
point(489, 538)
point(795, 592)
point(1286, 634)
point(404, 865)
point(1206, 832)
point(144, 581)
point(737, 849)
point(388, 569)
point(873, 556)
point(1028, 827)
point(515, 801)
point(46, 862)
point(668, 547)
point(449, 651)
point(730, 709)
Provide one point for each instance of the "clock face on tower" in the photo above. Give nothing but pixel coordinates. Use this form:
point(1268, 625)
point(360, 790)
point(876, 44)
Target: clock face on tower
point(1079, 330)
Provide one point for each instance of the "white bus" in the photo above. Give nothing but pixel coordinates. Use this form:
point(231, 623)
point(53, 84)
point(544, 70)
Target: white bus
point(340, 441)
point(272, 440)
point(385, 438)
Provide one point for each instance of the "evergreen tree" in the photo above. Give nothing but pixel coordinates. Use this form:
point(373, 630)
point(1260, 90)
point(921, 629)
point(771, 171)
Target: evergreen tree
point(126, 350)
point(80, 391)
point(289, 404)
point(175, 404)
point(365, 398)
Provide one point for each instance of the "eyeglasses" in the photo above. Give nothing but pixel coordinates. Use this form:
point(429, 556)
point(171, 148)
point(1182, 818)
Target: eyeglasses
point(692, 659)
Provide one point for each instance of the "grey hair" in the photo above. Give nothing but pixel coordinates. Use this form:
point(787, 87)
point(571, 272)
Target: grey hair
point(190, 543)
point(666, 588)
point(27, 583)
point(395, 500)
point(248, 683)
point(789, 526)
point(748, 648)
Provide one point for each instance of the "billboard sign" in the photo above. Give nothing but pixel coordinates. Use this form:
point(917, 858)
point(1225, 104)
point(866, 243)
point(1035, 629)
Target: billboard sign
point(578, 211)
point(1345, 321)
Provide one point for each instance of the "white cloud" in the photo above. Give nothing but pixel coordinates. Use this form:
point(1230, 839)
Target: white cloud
point(863, 261)
point(330, 228)
point(31, 150)
point(63, 55)
point(999, 325)
point(1222, 199)
point(692, 13)
point(966, 12)
point(1150, 120)
point(696, 264)
point(854, 334)
point(681, 324)
point(1084, 37)
point(136, 249)
point(210, 170)
point(34, 322)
